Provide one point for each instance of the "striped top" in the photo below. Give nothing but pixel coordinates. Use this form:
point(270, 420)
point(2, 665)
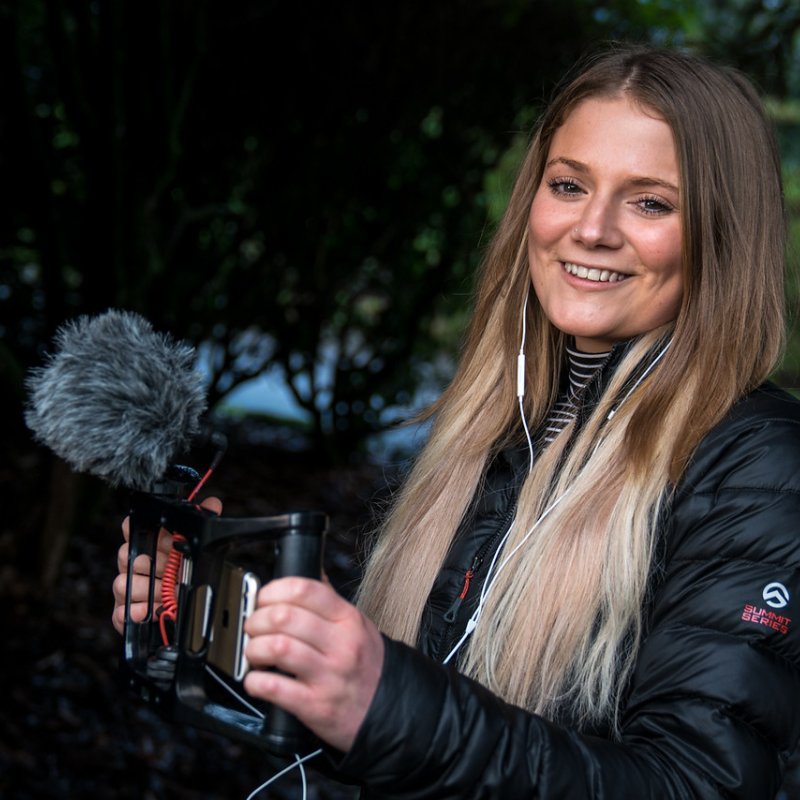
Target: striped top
point(581, 368)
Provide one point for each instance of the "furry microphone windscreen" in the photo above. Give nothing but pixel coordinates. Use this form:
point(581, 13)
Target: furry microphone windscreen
point(116, 399)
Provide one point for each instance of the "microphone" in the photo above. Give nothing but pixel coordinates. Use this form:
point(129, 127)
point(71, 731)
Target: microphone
point(116, 399)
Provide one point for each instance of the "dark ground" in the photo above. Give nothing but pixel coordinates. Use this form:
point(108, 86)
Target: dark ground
point(68, 729)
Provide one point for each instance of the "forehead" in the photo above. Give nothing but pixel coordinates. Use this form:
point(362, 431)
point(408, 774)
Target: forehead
point(619, 135)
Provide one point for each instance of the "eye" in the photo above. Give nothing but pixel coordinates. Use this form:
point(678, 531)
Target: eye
point(564, 186)
point(653, 205)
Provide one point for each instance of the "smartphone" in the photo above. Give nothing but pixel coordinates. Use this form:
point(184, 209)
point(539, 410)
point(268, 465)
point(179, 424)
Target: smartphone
point(235, 602)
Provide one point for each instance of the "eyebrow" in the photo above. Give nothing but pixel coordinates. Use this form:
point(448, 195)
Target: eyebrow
point(643, 180)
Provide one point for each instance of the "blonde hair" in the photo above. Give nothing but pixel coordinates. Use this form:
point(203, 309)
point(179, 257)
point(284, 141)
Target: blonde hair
point(561, 627)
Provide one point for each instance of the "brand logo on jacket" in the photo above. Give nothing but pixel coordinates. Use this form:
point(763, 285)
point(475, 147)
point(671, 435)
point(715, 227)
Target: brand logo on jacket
point(775, 595)
point(769, 619)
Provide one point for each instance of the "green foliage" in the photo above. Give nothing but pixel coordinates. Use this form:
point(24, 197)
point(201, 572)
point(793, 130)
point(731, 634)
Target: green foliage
point(295, 186)
point(789, 372)
point(760, 37)
point(302, 187)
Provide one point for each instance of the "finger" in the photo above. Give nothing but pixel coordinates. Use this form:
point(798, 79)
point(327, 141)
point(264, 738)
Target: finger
point(164, 544)
point(313, 595)
point(333, 710)
point(294, 621)
point(212, 504)
point(140, 589)
point(285, 653)
point(138, 614)
point(122, 558)
point(283, 690)
point(118, 618)
point(142, 564)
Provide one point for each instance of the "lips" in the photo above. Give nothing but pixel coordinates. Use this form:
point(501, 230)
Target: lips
point(593, 273)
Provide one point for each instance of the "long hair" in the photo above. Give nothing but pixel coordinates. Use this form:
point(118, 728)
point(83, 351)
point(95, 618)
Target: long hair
point(585, 567)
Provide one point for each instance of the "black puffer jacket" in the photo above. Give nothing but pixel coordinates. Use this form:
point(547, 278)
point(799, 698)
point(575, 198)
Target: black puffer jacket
point(713, 709)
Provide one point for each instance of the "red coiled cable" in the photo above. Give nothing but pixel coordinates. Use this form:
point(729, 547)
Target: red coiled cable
point(169, 588)
point(169, 581)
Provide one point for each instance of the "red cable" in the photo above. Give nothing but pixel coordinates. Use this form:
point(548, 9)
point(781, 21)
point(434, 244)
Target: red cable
point(169, 588)
point(200, 484)
point(169, 581)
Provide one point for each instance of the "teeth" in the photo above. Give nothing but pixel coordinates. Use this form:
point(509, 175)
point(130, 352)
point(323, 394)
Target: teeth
point(593, 274)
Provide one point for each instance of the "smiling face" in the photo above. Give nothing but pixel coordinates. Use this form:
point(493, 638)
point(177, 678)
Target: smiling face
point(604, 240)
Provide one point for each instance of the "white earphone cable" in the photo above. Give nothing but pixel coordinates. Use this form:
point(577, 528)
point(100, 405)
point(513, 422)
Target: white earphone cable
point(521, 382)
point(492, 575)
point(647, 371)
point(492, 578)
point(297, 764)
point(298, 761)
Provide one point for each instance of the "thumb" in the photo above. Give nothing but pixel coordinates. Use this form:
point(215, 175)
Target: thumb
point(213, 504)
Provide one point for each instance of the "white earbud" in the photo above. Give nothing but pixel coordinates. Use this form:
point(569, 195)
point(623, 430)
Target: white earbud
point(521, 381)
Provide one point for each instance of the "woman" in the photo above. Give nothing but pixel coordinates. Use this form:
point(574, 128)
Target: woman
point(618, 591)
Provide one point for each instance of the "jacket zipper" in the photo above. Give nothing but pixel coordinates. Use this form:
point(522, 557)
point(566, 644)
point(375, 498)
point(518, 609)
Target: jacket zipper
point(452, 612)
point(450, 615)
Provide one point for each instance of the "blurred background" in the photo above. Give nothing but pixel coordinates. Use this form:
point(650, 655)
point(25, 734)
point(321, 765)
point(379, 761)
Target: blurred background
point(303, 192)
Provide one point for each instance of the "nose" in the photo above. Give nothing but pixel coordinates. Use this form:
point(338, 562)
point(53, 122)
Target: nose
point(598, 225)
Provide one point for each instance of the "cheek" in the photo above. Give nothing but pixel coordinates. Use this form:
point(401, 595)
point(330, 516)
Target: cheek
point(547, 227)
point(542, 223)
point(661, 250)
point(675, 298)
point(537, 232)
point(669, 283)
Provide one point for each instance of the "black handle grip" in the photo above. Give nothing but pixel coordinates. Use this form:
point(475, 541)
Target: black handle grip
point(298, 552)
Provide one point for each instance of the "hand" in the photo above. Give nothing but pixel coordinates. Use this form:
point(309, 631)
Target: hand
point(332, 653)
point(141, 572)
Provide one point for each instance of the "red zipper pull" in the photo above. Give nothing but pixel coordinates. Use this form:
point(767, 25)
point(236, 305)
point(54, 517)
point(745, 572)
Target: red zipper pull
point(450, 616)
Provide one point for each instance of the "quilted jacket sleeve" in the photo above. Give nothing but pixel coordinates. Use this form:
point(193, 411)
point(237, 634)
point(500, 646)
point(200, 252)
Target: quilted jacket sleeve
point(713, 709)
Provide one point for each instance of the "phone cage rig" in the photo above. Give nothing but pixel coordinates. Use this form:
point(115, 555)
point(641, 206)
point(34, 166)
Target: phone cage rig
point(174, 677)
